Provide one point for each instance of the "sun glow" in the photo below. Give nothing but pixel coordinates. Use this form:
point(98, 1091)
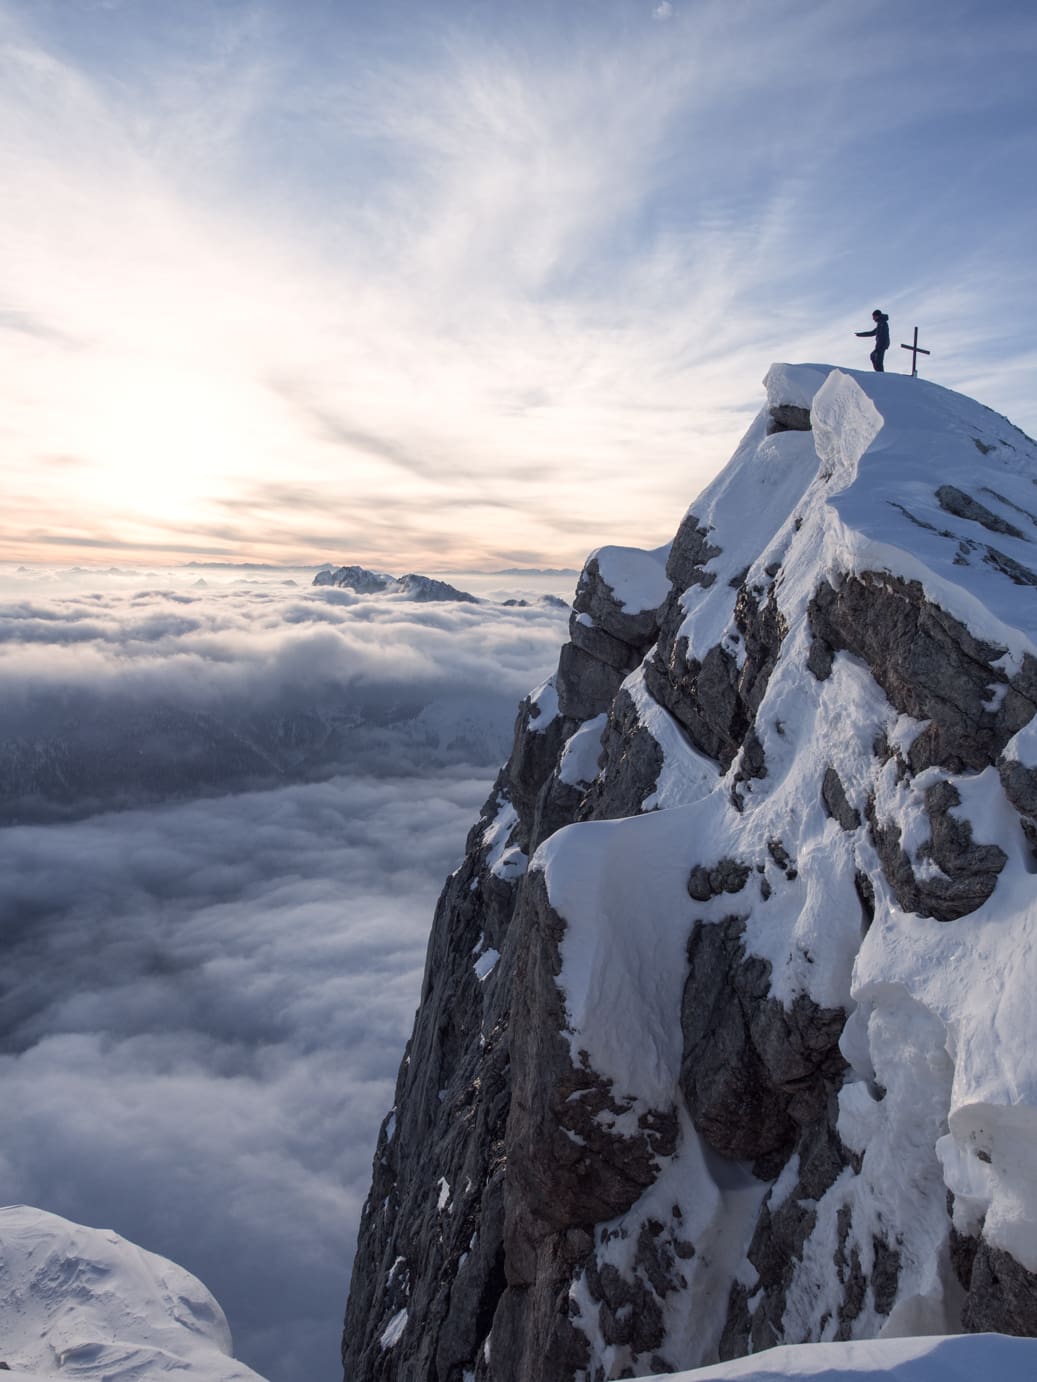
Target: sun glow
point(165, 436)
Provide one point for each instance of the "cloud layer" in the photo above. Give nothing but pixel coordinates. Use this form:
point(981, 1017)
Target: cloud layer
point(204, 1003)
point(141, 693)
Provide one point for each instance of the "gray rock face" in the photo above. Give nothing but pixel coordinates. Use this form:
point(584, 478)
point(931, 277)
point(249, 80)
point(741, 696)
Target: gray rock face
point(690, 552)
point(567, 1166)
point(929, 666)
point(1020, 784)
point(631, 762)
point(586, 684)
point(1002, 1295)
point(833, 794)
point(782, 1231)
point(753, 1072)
point(607, 642)
point(533, 759)
point(596, 598)
point(431, 1238)
point(716, 698)
point(729, 876)
point(593, 640)
point(447, 1235)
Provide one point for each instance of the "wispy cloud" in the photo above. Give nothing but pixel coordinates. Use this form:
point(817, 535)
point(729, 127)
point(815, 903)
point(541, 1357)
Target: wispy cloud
point(537, 271)
point(28, 324)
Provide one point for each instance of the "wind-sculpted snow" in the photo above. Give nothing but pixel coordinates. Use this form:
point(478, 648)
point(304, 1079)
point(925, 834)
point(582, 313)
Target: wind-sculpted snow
point(765, 984)
point(83, 1302)
point(883, 1360)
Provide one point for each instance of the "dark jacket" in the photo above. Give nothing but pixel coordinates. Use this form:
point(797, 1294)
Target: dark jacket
point(881, 332)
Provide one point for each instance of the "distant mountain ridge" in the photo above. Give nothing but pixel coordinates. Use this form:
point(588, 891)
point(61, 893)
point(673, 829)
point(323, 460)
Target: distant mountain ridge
point(423, 589)
point(536, 571)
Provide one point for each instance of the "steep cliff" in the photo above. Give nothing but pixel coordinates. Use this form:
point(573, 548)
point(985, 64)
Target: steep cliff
point(726, 1034)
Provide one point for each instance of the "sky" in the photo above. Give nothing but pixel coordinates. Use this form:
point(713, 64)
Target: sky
point(467, 283)
point(205, 994)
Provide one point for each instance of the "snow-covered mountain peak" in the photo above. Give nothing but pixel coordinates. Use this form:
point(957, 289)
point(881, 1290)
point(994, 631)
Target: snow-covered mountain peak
point(896, 474)
point(757, 1040)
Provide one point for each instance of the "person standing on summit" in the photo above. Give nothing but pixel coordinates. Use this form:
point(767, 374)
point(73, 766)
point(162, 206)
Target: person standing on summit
point(881, 334)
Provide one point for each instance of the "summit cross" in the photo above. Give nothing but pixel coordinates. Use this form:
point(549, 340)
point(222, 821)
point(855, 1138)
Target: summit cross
point(915, 350)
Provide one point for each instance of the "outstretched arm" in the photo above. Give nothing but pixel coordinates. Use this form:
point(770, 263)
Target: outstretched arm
point(867, 333)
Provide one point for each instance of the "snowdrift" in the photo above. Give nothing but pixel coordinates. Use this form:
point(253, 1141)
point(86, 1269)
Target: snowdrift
point(84, 1303)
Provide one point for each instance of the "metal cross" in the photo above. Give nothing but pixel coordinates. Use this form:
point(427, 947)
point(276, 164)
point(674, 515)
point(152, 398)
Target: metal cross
point(915, 350)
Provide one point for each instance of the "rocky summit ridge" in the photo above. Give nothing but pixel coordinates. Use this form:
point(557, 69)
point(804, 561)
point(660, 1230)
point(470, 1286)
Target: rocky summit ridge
point(424, 589)
point(726, 1036)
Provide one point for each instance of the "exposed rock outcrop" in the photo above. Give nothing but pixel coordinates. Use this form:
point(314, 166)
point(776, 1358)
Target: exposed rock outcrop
point(753, 1072)
point(929, 665)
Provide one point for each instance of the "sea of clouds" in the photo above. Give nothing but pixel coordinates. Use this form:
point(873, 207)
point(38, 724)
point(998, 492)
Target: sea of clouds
point(209, 967)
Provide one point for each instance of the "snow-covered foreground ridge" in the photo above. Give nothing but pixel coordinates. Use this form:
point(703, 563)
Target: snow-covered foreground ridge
point(963, 1359)
point(726, 1036)
point(83, 1302)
